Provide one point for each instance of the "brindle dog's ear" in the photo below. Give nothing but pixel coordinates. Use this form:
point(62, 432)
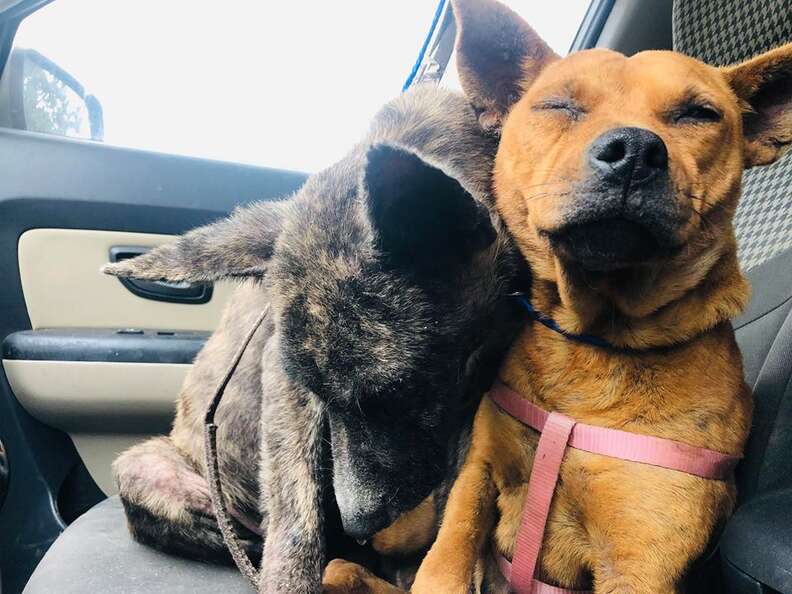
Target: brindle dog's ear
point(498, 56)
point(238, 246)
point(425, 221)
point(764, 87)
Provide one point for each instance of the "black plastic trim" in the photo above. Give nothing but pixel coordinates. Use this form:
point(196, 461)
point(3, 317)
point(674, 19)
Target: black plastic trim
point(116, 345)
point(592, 25)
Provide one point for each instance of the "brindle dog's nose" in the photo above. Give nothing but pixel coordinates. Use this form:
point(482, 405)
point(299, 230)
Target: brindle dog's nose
point(628, 156)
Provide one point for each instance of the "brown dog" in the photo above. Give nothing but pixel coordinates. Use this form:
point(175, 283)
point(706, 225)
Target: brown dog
point(619, 178)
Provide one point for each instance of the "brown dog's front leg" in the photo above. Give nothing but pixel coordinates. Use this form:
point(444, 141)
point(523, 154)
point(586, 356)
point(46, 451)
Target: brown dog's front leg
point(641, 551)
point(468, 519)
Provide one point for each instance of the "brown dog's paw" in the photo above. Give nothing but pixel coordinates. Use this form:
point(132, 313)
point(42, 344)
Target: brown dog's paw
point(434, 578)
point(345, 577)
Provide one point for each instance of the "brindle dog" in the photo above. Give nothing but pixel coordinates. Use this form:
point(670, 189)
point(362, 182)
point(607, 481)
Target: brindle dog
point(387, 277)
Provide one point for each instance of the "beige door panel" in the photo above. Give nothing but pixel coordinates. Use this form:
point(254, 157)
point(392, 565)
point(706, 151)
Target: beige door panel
point(98, 404)
point(104, 407)
point(98, 450)
point(63, 287)
point(91, 396)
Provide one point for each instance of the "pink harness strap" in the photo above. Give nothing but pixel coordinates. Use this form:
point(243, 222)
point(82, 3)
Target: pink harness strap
point(559, 431)
point(538, 587)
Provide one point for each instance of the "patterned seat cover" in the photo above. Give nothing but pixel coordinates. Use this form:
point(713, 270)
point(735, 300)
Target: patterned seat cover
point(722, 32)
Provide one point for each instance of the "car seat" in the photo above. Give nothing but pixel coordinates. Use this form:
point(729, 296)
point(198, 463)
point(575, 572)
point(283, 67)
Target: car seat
point(756, 546)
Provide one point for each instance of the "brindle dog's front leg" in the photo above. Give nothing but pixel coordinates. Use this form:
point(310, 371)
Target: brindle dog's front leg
point(291, 479)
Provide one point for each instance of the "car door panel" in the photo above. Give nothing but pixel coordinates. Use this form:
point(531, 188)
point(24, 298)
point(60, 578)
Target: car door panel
point(107, 388)
point(63, 287)
point(63, 204)
point(97, 403)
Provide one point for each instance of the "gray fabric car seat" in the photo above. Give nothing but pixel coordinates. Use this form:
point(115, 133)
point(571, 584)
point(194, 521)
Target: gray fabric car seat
point(756, 547)
point(96, 555)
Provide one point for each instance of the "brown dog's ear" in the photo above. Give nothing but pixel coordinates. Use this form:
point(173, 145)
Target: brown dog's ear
point(238, 246)
point(764, 86)
point(498, 56)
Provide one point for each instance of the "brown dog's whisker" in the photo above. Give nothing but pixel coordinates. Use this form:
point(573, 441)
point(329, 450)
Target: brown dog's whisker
point(545, 187)
point(546, 195)
point(707, 227)
point(554, 178)
point(690, 196)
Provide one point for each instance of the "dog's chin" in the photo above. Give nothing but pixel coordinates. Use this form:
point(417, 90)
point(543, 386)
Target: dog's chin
point(363, 526)
point(608, 245)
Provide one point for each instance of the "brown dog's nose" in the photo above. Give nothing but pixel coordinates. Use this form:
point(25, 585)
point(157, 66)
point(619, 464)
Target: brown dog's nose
point(628, 156)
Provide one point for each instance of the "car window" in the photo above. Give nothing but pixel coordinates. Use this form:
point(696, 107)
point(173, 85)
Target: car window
point(286, 84)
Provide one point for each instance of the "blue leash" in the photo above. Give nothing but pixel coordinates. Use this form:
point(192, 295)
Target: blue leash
point(422, 54)
point(589, 339)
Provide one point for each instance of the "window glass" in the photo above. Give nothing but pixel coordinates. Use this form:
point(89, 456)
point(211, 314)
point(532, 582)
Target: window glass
point(282, 84)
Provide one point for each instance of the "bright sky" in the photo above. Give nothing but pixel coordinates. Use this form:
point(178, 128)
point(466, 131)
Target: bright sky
point(290, 84)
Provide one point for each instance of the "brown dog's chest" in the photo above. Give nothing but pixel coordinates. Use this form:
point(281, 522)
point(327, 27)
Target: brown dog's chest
point(693, 394)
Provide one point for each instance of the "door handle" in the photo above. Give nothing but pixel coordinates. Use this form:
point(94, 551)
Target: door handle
point(171, 292)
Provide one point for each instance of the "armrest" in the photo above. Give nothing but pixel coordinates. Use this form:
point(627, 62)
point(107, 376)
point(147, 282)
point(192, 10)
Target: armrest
point(107, 345)
point(758, 540)
point(100, 380)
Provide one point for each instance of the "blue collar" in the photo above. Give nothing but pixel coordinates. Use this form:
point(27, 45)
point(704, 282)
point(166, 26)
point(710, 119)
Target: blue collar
point(589, 339)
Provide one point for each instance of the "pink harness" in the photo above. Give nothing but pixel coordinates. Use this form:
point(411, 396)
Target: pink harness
point(559, 431)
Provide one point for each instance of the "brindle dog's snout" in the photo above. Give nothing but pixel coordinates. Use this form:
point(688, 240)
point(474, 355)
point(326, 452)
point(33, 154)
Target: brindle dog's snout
point(628, 157)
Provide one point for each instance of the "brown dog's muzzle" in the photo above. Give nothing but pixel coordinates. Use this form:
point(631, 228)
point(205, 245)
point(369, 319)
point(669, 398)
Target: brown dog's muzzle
point(624, 213)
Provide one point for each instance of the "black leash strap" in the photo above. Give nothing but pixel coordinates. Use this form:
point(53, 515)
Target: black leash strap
point(213, 467)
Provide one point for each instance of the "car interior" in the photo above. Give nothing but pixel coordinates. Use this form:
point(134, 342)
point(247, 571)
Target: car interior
point(92, 364)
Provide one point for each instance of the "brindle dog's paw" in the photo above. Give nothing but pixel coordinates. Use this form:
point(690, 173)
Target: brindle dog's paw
point(345, 577)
